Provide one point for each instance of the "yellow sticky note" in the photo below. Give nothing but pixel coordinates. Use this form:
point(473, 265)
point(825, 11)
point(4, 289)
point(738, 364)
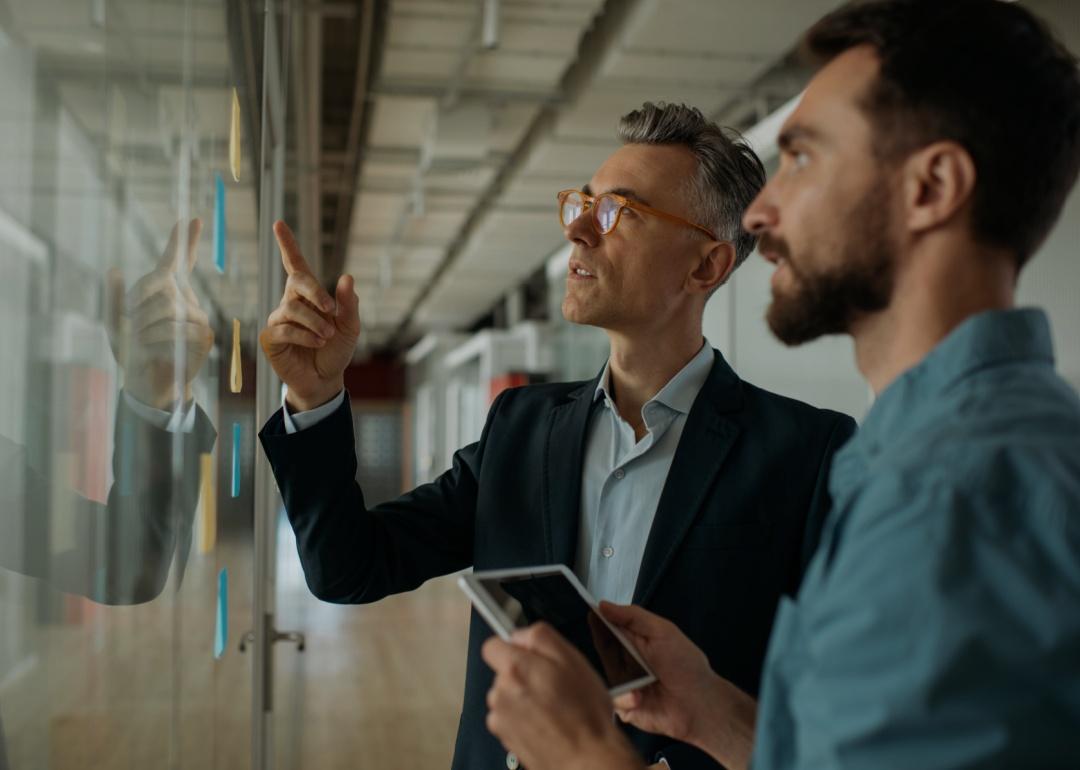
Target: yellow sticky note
point(234, 138)
point(236, 374)
point(208, 493)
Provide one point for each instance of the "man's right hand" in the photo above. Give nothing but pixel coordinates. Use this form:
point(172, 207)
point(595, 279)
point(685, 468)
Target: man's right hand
point(310, 337)
point(689, 701)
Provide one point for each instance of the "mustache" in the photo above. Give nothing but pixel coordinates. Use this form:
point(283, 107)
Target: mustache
point(775, 245)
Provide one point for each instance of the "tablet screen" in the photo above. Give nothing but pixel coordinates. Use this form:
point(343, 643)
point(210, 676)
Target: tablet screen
point(550, 597)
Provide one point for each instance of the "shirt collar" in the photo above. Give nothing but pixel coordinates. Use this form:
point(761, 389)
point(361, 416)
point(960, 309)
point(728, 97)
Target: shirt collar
point(680, 391)
point(989, 339)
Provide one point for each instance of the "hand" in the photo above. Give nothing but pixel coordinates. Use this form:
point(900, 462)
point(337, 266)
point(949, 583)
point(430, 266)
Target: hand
point(688, 702)
point(147, 323)
point(309, 339)
point(549, 706)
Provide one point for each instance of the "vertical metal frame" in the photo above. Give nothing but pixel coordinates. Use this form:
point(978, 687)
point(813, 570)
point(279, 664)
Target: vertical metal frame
point(267, 386)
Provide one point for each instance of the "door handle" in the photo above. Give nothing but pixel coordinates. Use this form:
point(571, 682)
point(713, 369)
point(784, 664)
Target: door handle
point(297, 637)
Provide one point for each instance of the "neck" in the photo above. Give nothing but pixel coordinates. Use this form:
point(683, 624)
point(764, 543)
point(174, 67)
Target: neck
point(642, 364)
point(931, 298)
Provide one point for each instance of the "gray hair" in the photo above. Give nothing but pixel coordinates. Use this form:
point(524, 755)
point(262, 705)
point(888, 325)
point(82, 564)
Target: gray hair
point(730, 174)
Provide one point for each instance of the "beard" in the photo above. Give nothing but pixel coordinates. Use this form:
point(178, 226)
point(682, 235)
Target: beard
point(827, 301)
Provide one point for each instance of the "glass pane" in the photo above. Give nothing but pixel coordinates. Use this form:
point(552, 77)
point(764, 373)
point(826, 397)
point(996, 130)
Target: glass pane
point(127, 251)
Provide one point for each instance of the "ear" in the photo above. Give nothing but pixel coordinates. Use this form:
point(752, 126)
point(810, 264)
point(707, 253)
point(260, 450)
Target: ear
point(715, 265)
point(939, 183)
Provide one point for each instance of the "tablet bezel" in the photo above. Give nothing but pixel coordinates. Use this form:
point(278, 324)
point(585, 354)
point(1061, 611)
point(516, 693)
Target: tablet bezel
point(488, 608)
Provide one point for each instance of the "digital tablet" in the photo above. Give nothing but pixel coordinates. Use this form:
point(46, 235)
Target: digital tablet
point(515, 598)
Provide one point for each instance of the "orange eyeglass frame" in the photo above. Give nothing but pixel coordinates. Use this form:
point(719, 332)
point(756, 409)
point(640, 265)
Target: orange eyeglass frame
point(624, 202)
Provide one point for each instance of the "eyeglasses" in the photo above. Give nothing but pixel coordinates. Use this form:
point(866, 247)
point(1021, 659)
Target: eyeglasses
point(607, 208)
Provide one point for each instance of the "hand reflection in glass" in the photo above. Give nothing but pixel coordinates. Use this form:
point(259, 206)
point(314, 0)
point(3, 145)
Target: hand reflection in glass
point(121, 548)
point(158, 315)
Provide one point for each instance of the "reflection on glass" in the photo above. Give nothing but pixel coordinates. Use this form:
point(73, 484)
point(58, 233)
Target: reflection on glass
point(234, 137)
point(119, 545)
point(114, 131)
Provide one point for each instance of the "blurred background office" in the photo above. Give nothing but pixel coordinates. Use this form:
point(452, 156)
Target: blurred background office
point(152, 608)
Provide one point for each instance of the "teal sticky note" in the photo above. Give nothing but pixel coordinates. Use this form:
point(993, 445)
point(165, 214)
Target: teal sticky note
point(221, 628)
point(236, 459)
point(219, 223)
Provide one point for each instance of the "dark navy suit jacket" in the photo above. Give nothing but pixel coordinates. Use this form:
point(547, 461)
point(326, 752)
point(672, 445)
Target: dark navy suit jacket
point(738, 518)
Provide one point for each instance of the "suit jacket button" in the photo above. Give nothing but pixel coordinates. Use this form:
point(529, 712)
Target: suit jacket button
point(511, 761)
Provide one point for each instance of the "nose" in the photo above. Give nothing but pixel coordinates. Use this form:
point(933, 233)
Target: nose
point(582, 232)
point(761, 215)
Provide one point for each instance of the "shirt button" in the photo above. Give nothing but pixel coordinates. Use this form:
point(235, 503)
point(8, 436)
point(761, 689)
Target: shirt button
point(512, 761)
point(607, 552)
point(619, 473)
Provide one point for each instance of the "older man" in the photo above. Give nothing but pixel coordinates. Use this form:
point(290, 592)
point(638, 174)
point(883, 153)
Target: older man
point(939, 622)
point(666, 480)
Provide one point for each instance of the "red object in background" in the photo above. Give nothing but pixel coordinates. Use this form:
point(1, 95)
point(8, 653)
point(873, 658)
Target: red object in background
point(505, 382)
point(89, 394)
point(380, 378)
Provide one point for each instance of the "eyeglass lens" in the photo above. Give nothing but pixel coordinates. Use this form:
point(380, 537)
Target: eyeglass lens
point(605, 214)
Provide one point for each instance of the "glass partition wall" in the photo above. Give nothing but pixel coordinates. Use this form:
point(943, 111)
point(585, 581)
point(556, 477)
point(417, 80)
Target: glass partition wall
point(141, 155)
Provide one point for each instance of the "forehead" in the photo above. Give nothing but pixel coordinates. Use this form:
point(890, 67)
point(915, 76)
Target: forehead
point(832, 105)
point(656, 173)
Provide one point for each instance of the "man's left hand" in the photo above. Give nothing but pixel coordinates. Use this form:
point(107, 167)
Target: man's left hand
point(550, 708)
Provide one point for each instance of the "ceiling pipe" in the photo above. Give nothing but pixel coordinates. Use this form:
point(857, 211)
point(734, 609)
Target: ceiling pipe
point(594, 50)
point(413, 205)
point(307, 107)
point(489, 37)
point(359, 119)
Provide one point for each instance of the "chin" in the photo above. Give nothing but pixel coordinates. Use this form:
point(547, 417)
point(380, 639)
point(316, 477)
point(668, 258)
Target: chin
point(575, 313)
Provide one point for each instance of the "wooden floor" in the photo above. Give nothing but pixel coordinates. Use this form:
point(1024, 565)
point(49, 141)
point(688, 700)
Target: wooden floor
point(379, 686)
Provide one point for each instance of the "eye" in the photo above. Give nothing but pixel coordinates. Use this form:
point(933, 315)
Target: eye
point(800, 159)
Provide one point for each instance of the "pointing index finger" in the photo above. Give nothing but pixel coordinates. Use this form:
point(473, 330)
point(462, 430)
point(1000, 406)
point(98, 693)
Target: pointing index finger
point(291, 256)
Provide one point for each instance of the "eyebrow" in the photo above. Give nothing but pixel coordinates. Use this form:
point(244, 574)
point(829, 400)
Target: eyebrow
point(795, 133)
point(625, 192)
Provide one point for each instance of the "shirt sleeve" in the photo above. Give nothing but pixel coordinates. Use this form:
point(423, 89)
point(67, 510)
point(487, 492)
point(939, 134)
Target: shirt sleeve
point(299, 421)
point(180, 420)
point(942, 634)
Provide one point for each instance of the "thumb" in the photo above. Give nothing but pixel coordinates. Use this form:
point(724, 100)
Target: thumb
point(194, 231)
point(348, 304)
point(633, 619)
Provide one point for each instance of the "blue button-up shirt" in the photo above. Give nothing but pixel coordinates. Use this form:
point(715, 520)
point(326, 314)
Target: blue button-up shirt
point(938, 625)
point(622, 478)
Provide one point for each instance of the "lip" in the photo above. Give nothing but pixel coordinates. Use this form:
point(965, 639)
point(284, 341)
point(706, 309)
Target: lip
point(573, 274)
point(772, 257)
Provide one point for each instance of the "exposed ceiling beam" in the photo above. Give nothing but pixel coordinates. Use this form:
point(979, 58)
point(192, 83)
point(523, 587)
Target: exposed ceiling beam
point(369, 53)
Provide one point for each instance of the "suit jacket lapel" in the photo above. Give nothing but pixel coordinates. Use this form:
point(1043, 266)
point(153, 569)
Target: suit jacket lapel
point(562, 474)
point(707, 437)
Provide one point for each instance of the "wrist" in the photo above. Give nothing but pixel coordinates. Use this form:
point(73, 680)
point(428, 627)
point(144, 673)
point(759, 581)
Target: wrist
point(162, 397)
point(306, 401)
point(724, 724)
point(613, 752)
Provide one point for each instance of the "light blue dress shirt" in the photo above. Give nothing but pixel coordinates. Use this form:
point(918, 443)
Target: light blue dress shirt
point(180, 420)
point(302, 420)
point(938, 625)
point(622, 479)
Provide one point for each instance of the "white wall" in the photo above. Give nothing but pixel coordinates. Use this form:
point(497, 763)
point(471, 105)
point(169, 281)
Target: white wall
point(1052, 279)
point(823, 373)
